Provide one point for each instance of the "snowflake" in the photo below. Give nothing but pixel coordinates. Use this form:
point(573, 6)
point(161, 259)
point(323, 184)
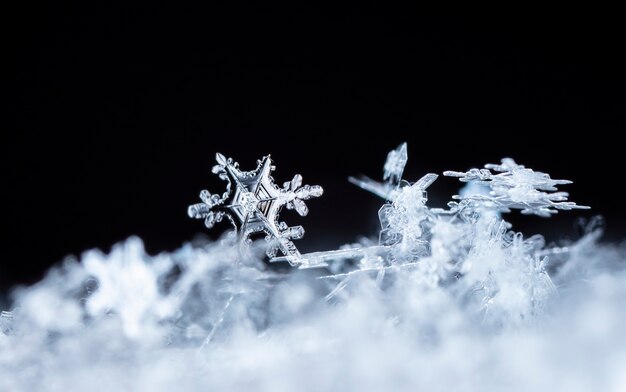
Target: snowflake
point(514, 186)
point(252, 202)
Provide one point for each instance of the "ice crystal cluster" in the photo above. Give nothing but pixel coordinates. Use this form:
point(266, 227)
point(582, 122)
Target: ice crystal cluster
point(440, 300)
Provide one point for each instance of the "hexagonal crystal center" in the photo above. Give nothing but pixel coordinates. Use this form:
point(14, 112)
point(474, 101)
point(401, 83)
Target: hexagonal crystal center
point(248, 201)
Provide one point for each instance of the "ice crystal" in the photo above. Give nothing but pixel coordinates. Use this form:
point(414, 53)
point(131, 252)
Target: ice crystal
point(514, 186)
point(402, 220)
point(392, 175)
point(252, 202)
point(394, 165)
point(6, 321)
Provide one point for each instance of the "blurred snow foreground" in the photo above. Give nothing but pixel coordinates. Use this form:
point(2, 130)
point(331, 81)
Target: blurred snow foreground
point(444, 300)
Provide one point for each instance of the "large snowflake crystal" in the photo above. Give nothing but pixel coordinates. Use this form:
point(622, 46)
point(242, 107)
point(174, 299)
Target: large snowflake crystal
point(252, 202)
point(515, 186)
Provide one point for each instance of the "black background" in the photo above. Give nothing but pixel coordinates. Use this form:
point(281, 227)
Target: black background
point(117, 113)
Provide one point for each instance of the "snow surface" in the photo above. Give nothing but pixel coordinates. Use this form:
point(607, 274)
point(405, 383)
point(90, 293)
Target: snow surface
point(446, 301)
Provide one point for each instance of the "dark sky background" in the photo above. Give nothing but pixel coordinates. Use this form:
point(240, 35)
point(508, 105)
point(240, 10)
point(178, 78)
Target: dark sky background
point(115, 115)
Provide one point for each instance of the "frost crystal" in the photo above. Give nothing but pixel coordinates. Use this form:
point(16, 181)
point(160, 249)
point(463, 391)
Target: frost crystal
point(402, 220)
point(514, 186)
point(252, 202)
point(394, 167)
